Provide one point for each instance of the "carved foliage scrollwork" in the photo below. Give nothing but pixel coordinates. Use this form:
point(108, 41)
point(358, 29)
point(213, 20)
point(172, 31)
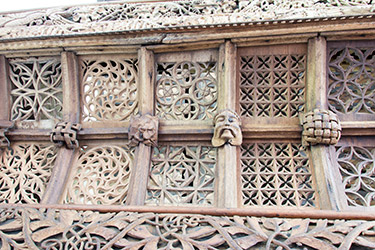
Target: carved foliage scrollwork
point(186, 90)
point(272, 85)
point(109, 89)
point(351, 87)
point(182, 175)
point(36, 89)
point(100, 175)
point(357, 168)
point(25, 171)
point(276, 174)
point(70, 229)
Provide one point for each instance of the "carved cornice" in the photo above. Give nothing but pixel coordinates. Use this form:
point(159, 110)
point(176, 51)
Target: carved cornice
point(124, 17)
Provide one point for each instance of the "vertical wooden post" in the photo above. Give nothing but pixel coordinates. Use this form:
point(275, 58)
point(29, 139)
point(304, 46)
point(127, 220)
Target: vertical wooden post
point(139, 175)
point(71, 113)
point(4, 90)
point(227, 186)
point(316, 97)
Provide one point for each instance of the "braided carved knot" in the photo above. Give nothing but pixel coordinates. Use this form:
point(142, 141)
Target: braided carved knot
point(320, 127)
point(65, 133)
point(143, 129)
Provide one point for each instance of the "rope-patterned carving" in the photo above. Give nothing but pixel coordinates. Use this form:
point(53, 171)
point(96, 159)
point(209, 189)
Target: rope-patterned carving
point(29, 228)
point(36, 89)
point(143, 129)
point(351, 71)
point(25, 171)
point(357, 168)
point(100, 176)
point(320, 127)
point(182, 175)
point(276, 174)
point(186, 90)
point(109, 89)
point(65, 133)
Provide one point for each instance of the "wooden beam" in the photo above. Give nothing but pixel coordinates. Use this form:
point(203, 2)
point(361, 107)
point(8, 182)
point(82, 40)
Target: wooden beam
point(4, 90)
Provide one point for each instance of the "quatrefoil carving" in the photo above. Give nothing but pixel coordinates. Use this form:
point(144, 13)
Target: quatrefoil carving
point(65, 133)
point(143, 129)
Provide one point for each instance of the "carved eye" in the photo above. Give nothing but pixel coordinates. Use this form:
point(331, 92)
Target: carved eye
point(220, 119)
point(230, 119)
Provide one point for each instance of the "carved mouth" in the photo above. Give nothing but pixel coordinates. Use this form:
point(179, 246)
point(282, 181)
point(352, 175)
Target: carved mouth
point(226, 132)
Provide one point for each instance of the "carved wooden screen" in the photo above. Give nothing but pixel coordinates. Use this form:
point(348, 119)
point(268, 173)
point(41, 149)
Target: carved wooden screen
point(351, 95)
point(271, 97)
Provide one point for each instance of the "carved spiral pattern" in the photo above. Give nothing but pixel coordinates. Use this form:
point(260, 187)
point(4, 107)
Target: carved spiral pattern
point(29, 228)
point(101, 176)
point(357, 167)
point(351, 86)
point(186, 90)
point(276, 174)
point(36, 89)
point(109, 89)
point(272, 85)
point(182, 175)
point(25, 171)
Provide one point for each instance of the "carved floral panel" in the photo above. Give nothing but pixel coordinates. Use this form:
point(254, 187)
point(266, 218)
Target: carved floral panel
point(276, 174)
point(29, 228)
point(109, 89)
point(100, 175)
point(272, 85)
point(182, 175)
point(25, 171)
point(186, 90)
point(36, 89)
point(357, 168)
point(351, 73)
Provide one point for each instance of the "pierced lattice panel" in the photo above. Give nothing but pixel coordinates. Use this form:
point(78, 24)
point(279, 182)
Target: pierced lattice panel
point(272, 83)
point(25, 171)
point(36, 89)
point(186, 90)
point(109, 89)
point(100, 175)
point(357, 168)
point(351, 73)
point(182, 175)
point(276, 174)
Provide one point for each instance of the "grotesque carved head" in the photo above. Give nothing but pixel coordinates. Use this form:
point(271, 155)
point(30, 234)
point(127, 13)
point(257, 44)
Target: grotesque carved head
point(143, 129)
point(227, 129)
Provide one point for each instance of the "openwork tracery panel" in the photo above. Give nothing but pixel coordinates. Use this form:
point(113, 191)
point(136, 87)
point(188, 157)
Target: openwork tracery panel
point(351, 72)
point(182, 175)
point(271, 84)
point(100, 175)
point(109, 89)
point(357, 168)
point(36, 89)
point(186, 90)
point(30, 228)
point(25, 171)
point(276, 174)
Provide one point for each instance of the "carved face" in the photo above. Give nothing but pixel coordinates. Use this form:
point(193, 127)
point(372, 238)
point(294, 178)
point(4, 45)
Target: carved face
point(227, 129)
point(143, 129)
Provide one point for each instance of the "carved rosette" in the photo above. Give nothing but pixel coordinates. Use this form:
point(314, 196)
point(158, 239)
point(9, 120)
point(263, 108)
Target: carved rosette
point(227, 129)
point(320, 127)
point(143, 129)
point(65, 133)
